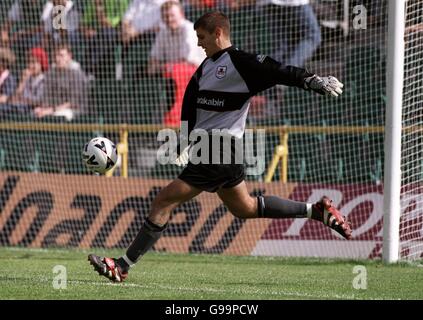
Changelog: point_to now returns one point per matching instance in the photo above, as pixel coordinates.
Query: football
(100, 155)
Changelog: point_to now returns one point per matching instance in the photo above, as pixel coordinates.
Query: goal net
(411, 223)
(81, 69)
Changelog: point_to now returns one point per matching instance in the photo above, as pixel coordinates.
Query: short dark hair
(212, 20)
(63, 46)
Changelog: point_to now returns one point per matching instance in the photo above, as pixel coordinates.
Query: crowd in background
(49, 57)
(53, 52)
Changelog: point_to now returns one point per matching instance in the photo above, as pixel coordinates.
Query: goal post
(392, 183)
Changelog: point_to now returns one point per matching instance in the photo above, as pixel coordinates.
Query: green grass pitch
(28, 274)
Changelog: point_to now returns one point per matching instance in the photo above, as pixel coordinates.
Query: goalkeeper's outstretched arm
(262, 72)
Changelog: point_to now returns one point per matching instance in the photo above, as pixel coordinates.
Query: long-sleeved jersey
(218, 95)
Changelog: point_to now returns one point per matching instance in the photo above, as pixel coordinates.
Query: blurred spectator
(142, 16)
(65, 88)
(176, 42)
(64, 30)
(175, 56)
(23, 28)
(294, 28)
(140, 25)
(62, 50)
(99, 24)
(30, 90)
(7, 80)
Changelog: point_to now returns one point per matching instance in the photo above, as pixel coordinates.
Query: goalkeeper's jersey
(218, 95)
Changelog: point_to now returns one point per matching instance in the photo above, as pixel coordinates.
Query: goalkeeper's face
(208, 41)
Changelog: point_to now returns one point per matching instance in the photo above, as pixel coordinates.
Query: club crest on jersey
(260, 58)
(221, 72)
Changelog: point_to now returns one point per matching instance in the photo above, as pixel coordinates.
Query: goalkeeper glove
(324, 85)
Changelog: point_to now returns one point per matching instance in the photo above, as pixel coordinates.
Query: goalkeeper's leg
(169, 198)
(244, 206)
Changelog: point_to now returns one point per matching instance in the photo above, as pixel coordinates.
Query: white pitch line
(231, 291)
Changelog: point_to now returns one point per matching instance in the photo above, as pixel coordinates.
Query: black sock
(275, 207)
(144, 241)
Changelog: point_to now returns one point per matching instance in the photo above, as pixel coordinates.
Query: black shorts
(212, 177)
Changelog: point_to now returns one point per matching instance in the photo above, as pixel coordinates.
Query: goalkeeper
(229, 78)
